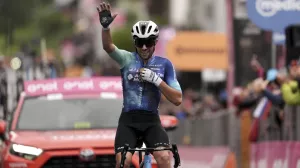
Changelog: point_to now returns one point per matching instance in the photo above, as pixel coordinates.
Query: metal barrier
(291, 124)
(215, 130)
(226, 129)
(220, 129)
(275, 128)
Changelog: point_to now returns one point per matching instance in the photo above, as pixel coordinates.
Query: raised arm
(107, 42)
(120, 56)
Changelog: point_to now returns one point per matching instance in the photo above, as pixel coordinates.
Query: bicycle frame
(146, 163)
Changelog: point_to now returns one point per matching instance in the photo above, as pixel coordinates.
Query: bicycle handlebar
(173, 149)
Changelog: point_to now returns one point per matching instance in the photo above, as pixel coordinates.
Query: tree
(27, 22)
(15, 14)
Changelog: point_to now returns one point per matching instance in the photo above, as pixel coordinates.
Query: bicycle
(146, 163)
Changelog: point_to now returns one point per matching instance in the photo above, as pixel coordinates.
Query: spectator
(36, 69)
(291, 93)
(246, 99)
(270, 88)
(290, 87)
(207, 106)
(223, 98)
(52, 66)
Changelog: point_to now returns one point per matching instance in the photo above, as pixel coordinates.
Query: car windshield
(68, 114)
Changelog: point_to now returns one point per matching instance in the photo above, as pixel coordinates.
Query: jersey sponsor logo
(134, 77)
(133, 70)
(130, 76)
(155, 69)
(160, 74)
(155, 65)
(137, 78)
(140, 96)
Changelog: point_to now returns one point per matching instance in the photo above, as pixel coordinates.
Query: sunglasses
(148, 42)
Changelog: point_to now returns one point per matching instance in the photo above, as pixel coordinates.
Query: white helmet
(144, 29)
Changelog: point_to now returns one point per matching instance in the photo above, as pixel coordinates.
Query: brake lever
(176, 156)
(123, 157)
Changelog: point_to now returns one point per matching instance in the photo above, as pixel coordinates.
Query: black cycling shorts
(136, 127)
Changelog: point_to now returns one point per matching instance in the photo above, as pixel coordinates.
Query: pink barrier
(275, 155)
(203, 157)
(73, 85)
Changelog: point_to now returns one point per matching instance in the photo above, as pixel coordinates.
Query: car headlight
(26, 152)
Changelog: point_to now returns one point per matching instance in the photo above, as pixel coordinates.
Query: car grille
(101, 161)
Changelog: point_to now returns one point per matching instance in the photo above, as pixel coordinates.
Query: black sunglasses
(148, 42)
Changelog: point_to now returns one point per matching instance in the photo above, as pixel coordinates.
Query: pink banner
(74, 85)
(275, 155)
(203, 157)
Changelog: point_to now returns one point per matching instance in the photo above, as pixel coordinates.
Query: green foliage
(15, 13)
(53, 24)
(131, 17)
(160, 21)
(31, 21)
(122, 38)
(55, 27)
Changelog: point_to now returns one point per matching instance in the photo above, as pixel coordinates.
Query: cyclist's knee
(162, 157)
(127, 162)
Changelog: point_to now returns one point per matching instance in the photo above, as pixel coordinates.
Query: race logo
(269, 8)
(273, 15)
(80, 85)
(42, 87)
(114, 85)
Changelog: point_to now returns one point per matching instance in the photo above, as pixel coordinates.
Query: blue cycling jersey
(139, 95)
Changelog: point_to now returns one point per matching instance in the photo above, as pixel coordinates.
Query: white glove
(150, 76)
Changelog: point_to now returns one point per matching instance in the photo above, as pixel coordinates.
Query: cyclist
(144, 78)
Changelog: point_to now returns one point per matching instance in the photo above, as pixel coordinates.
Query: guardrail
(225, 129)
(218, 130)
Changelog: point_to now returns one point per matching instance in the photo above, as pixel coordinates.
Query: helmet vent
(137, 29)
(143, 29)
(149, 29)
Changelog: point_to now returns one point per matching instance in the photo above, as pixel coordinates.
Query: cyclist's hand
(150, 76)
(105, 17)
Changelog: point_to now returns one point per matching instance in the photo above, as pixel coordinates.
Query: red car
(66, 123)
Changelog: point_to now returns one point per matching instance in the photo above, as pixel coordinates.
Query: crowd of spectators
(280, 87)
(194, 105)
